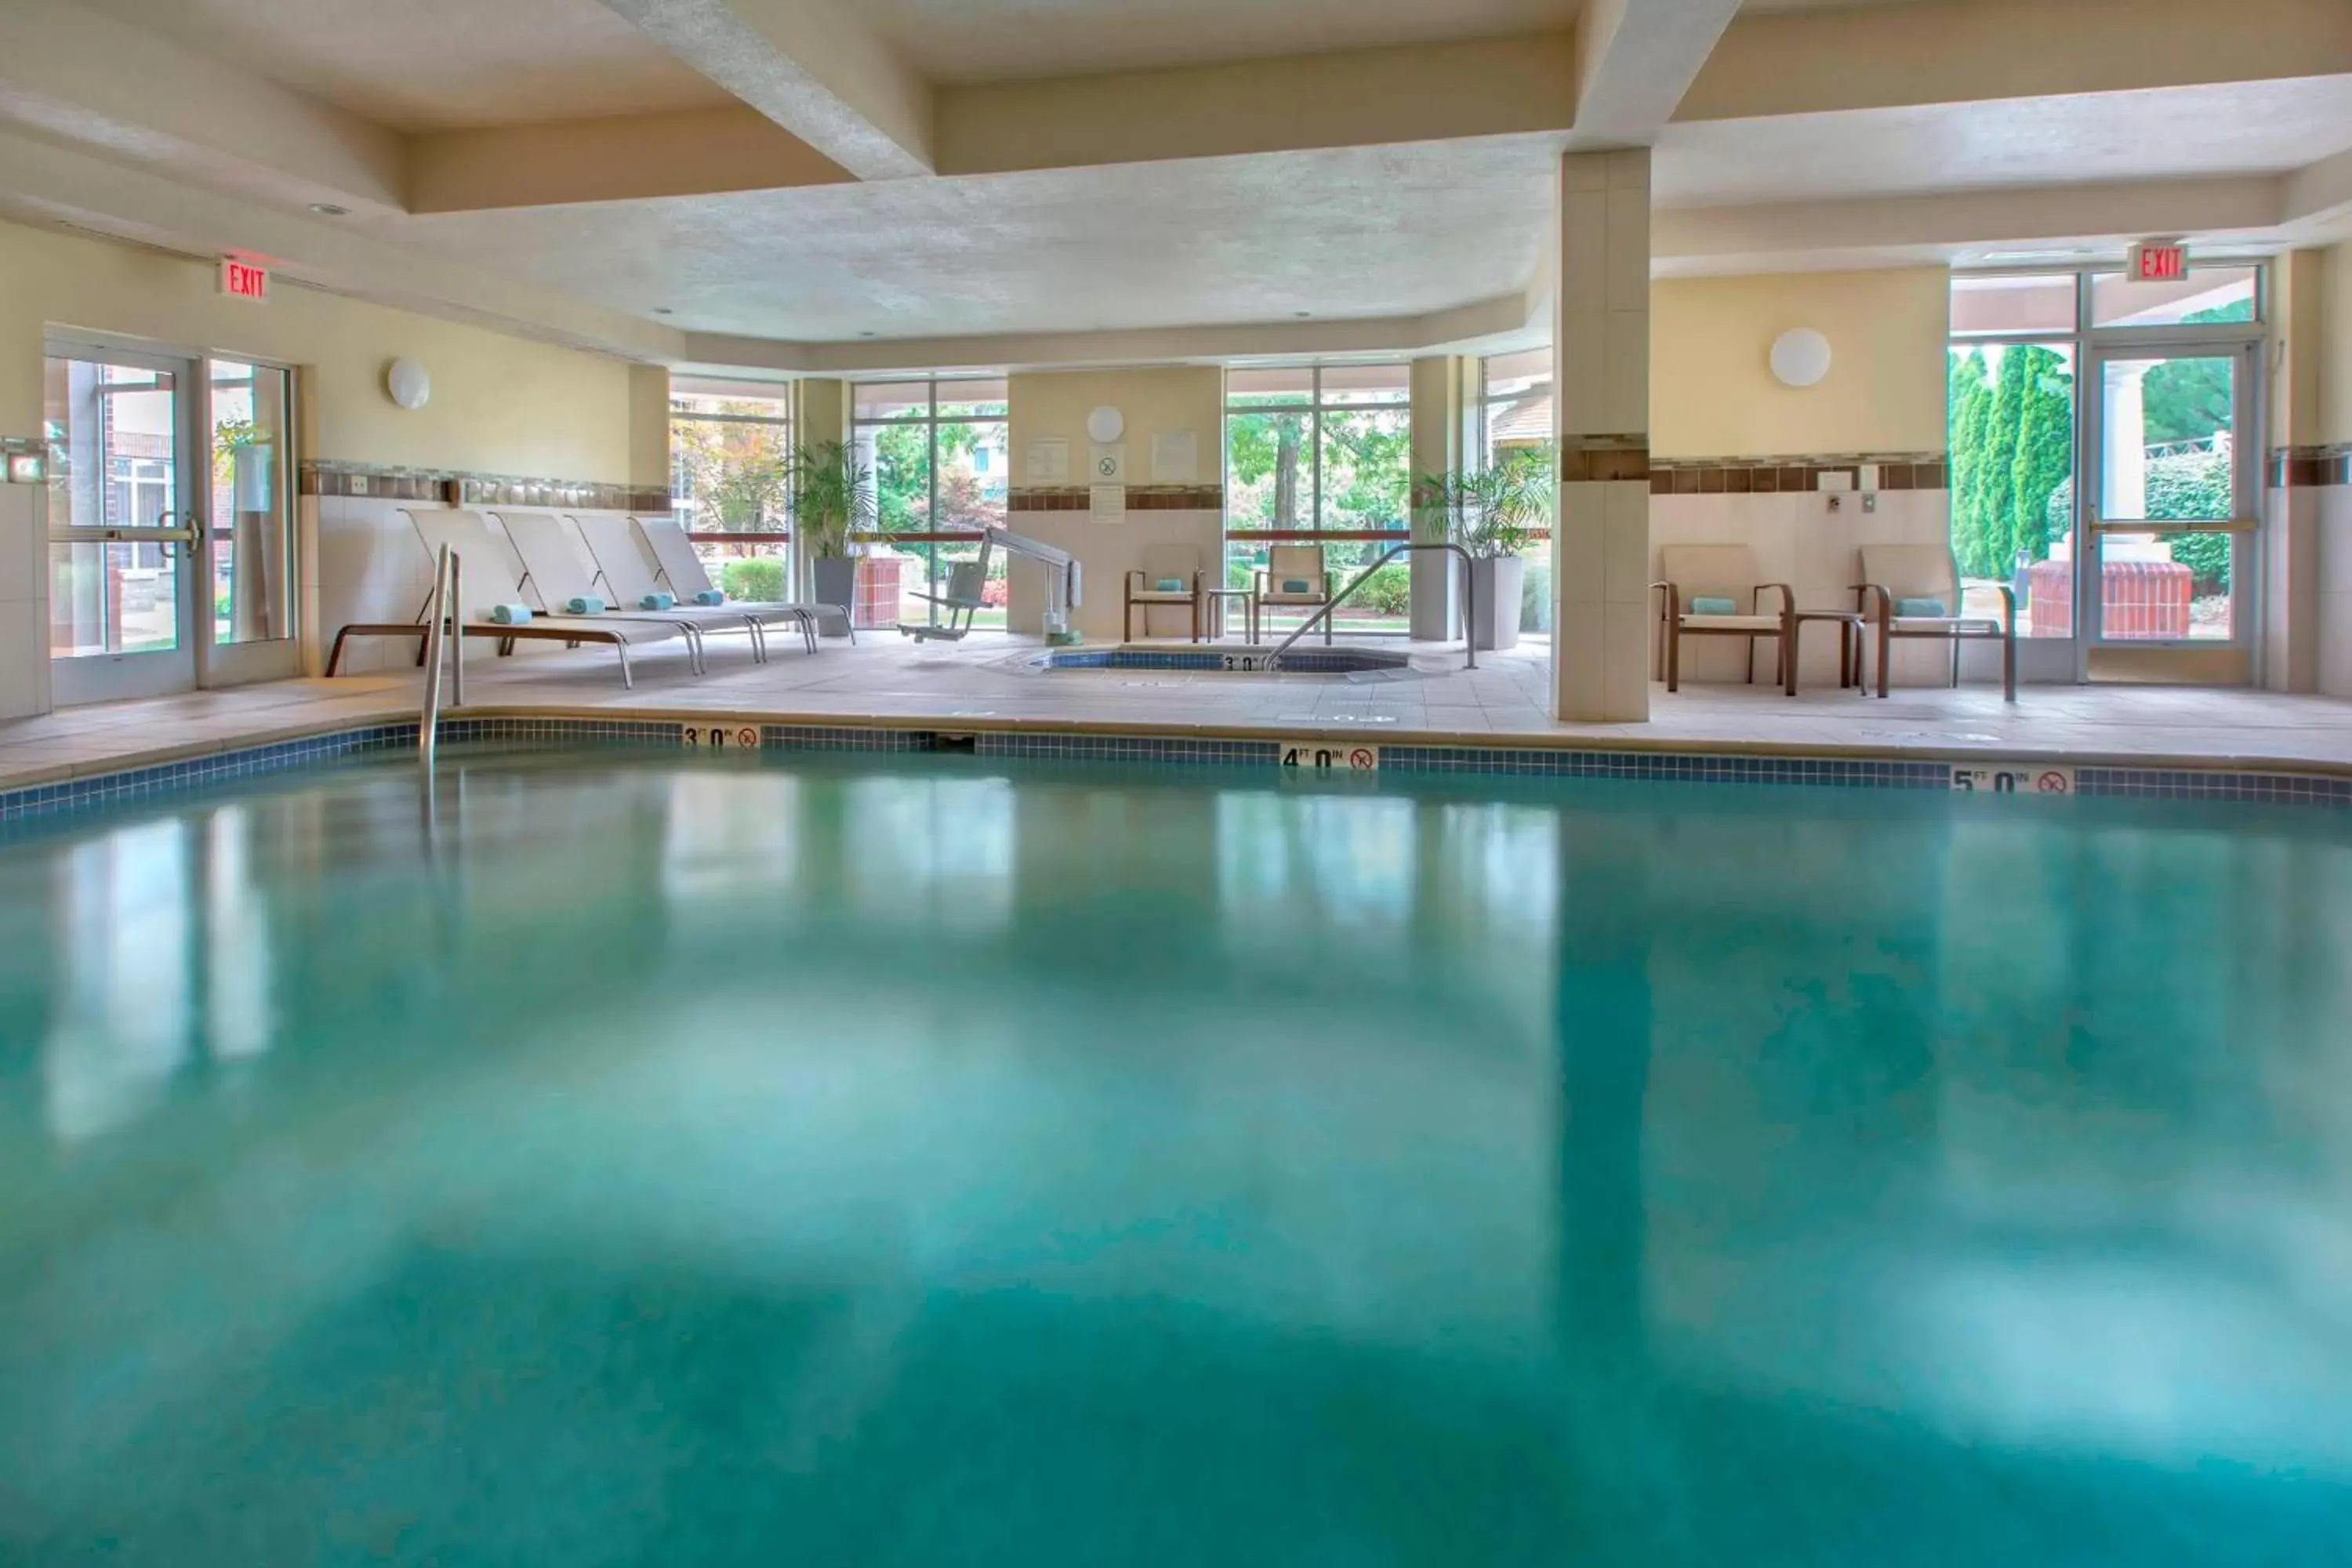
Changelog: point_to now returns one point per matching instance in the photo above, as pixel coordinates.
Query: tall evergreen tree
(2045, 450)
(2007, 423)
(1969, 400)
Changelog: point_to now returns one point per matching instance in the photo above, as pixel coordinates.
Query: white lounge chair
(560, 573)
(563, 573)
(682, 574)
(493, 574)
(626, 564)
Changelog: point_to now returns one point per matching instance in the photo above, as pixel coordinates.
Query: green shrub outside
(754, 582)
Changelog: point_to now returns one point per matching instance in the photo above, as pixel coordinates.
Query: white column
(1438, 446)
(1600, 351)
(2123, 466)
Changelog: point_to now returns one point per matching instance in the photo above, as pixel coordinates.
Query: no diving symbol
(2053, 783)
(1362, 760)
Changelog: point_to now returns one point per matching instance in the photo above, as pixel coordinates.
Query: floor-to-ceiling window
(938, 451)
(1320, 457)
(2151, 386)
(728, 452)
(1516, 420)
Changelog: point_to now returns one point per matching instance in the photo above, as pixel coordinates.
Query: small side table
(1850, 642)
(1248, 596)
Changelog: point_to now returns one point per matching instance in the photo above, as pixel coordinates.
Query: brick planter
(878, 591)
(2138, 600)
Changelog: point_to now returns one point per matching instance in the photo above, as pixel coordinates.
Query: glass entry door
(2170, 580)
(146, 595)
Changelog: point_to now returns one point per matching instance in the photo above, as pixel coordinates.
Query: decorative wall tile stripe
(1764, 476)
(2308, 467)
(452, 487)
(1603, 459)
(1140, 498)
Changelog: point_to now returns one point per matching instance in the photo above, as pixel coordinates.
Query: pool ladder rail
(1469, 602)
(444, 650)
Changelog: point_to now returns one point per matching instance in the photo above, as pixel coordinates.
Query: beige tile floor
(986, 683)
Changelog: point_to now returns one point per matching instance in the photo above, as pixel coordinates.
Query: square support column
(1601, 351)
(2293, 600)
(649, 427)
(1442, 413)
(821, 414)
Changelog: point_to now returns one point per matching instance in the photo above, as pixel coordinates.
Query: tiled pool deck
(985, 686)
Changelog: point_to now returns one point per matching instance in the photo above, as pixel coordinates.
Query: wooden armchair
(1713, 590)
(1914, 591)
(1295, 576)
(1171, 574)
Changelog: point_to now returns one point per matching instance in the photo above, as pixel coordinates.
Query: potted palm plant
(833, 498)
(1490, 512)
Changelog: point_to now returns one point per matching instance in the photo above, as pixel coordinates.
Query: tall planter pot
(1495, 582)
(836, 582)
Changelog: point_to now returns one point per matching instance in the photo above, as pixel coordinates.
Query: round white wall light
(406, 383)
(1801, 357)
(1106, 423)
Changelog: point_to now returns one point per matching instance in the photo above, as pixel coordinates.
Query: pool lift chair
(967, 579)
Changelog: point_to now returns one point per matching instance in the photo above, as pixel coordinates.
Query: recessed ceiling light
(664, 311)
(329, 209)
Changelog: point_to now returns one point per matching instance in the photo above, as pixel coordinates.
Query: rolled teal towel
(1296, 585)
(1927, 609)
(710, 597)
(1171, 586)
(1701, 605)
(511, 615)
(586, 604)
(657, 601)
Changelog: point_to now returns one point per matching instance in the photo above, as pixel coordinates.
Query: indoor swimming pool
(629, 1157)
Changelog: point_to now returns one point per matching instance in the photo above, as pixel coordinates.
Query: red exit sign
(2158, 263)
(244, 279)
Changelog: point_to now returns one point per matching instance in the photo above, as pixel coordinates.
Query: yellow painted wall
(1712, 394)
(1182, 397)
(500, 405)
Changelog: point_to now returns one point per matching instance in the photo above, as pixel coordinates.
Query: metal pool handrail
(1469, 602)
(445, 647)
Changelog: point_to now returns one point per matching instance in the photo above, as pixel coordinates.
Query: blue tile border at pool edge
(1684, 767)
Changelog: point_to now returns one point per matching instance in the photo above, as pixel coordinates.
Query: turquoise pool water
(850, 1161)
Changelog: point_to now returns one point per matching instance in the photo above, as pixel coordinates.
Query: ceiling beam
(2319, 196)
(1504, 321)
(1962, 51)
(75, 75)
(1810, 236)
(814, 67)
(44, 183)
(1636, 58)
(691, 153)
(1350, 98)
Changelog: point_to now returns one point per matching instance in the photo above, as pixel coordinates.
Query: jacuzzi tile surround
(1215, 660)
(1722, 766)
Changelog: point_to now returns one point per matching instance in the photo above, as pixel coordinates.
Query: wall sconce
(1801, 357)
(406, 383)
